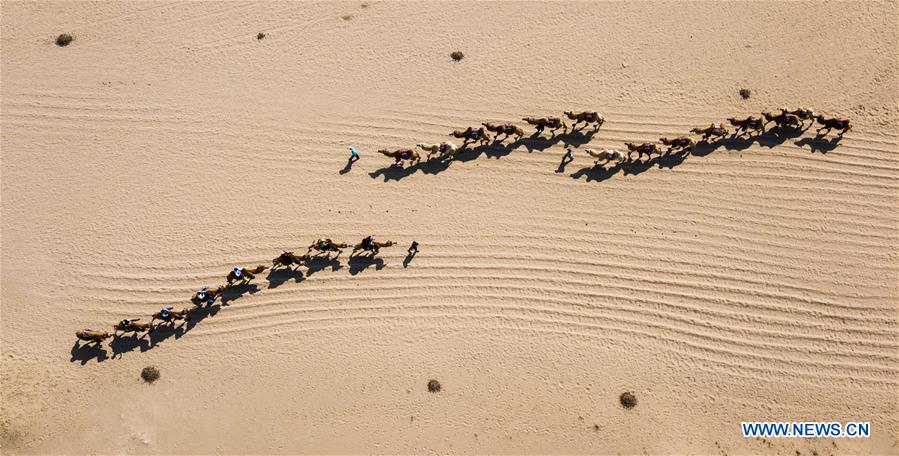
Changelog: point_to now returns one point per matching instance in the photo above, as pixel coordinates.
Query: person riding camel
(204, 296)
(324, 243)
(165, 313)
(368, 243)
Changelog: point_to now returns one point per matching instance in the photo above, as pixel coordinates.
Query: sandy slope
(167, 144)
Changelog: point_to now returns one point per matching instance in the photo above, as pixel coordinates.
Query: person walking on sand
(569, 155)
(413, 249)
(354, 154)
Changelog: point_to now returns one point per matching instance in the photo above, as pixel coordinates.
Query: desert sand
(166, 144)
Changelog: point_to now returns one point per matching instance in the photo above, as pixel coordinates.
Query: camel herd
(784, 119)
(240, 275)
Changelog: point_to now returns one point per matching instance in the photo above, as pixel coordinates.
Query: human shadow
(83, 353)
(276, 277)
(819, 143)
(320, 263)
(408, 259)
(349, 166)
(359, 263)
(236, 291)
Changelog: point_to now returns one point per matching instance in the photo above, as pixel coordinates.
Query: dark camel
(171, 316)
(472, 134)
(374, 247)
(587, 117)
(504, 129)
(835, 123)
(554, 123)
(327, 245)
(640, 149)
(746, 125)
(244, 274)
(782, 120)
(679, 142)
(288, 259)
(714, 129)
(126, 326)
(207, 296)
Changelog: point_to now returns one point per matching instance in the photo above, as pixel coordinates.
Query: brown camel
(207, 296)
(587, 117)
(554, 123)
(289, 259)
(782, 120)
(678, 142)
(609, 155)
(745, 125)
(504, 129)
(640, 149)
(402, 154)
(802, 113)
(714, 129)
(168, 315)
(835, 123)
(242, 273)
(472, 134)
(126, 326)
(373, 246)
(91, 335)
(327, 245)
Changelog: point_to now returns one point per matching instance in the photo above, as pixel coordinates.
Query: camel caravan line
(206, 296)
(784, 119)
(240, 275)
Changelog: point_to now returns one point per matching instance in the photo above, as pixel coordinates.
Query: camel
(504, 129)
(445, 149)
(554, 123)
(640, 149)
(782, 120)
(289, 259)
(714, 129)
(90, 335)
(402, 154)
(587, 117)
(372, 246)
(242, 273)
(131, 326)
(837, 123)
(802, 113)
(327, 245)
(170, 316)
(610, 156)
(207, 296)
(747, 124)
(472, 134)
(678, 142)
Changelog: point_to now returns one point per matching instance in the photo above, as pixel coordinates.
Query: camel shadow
(198, 314)
(276, 277)
(597, 173)
(819, 143)
(165, 331)
(235, 292)
(86, 352)
(359, 263)
(121, 344)
(537, 142)
(577, 138)
(320, 263)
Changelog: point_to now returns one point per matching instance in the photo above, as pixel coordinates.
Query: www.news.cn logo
(806, 429)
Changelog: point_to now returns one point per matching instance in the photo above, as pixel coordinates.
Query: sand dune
(756, 280)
